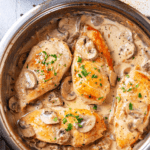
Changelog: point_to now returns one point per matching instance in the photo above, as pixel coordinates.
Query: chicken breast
(133, 107)
(43, 70)
(92, 65)
(76, 127)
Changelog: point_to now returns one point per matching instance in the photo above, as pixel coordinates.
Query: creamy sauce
(119, 39)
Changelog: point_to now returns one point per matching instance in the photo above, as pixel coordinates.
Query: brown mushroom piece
(62, 136)
(21, 60)
(26, 130)
(53, 100)
(127, 50)
(146, 66)
(96, 20)
(86, 48)
(67, 89)
(13, 104)
(48, 116)
(40, 144)
(112, 78)
(35, 106)
(86, 124)
(30, 79)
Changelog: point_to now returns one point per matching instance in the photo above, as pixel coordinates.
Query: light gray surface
(11, 11)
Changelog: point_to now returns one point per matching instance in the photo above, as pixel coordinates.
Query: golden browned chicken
(92, 65)
(133, 105)
(43, 70)
(64, 126)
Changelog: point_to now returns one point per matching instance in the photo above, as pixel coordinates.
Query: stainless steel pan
(32, 21)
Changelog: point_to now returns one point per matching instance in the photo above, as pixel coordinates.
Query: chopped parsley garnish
(118, 99)
(27, 66)
(129, 89)
(94, 76)
(43, 62)
(55, 138)
(42, 70)
(80, 126)
(84, 72)
(79, 59)
(82, 67)
(130, 106)
(55, 119)
(69, 127)
(100, 84)
(100, 79)
(127, 76)
(46, 56)
(99, 70)
(106, 117)
(52, 62)
(64, 65)
(145, 113)
(55, 73)
(95, 68)
(47, 79)
(123, 88)
(49, 69)
(95, 107)
(130, 83)
(59, 55)
(140, 95)
(133, 57)
(64, 120)
(100, 98)
(137, 85)
(80, 75)
(54, 55)
(37, 70)
(118, 79)
(93, 61)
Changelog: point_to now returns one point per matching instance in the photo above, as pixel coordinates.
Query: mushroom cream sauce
(127, 50)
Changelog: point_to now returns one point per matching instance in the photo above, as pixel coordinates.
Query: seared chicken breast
(43, 70)
(64, 126)
(92, 65)
(133, 106)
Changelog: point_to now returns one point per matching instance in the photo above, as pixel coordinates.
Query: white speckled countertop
(12, 10)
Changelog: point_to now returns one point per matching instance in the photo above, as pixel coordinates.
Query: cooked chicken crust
(47, 133)
(48, 73)
(93, 90)
(133, 107)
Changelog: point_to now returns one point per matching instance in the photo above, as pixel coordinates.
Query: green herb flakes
(140, 95)
(130, 106)
(95, 107)
(79, 59)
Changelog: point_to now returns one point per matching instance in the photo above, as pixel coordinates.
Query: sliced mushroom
(112, 112)
(35, 106)
(21, 60)
(53, 99)
(86, 48)
(122, 69)
(67, 89)
(51, 147)
(146, 66)
(126, 34)
(96, 20)
(86, 124)
(127, 50)
(62, 136)
(112, 78)
(27, 130)
(41, 144)
(13, 104)
(30, 79)
(48, 116)
(73, 37)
